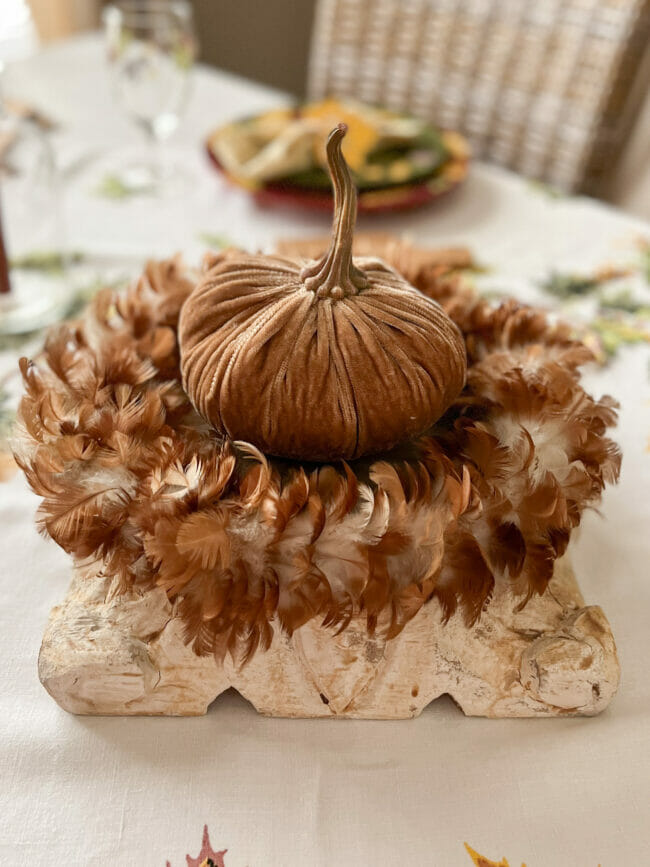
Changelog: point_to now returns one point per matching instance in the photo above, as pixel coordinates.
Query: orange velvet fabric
(266, 360)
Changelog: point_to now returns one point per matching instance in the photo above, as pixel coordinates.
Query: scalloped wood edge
(125, 655)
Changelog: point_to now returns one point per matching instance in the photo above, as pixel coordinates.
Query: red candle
(5, 286)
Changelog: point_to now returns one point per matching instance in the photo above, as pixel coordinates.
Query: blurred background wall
(56, 19)
(279, 30)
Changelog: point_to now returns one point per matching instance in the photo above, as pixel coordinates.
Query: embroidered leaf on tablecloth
(207, 857)
(7, 464)
(482, 861)
(215, 240)
(113, 187)
(606, 314)
(51, 262)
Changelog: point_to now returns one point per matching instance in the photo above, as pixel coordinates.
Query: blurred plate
(391, 179)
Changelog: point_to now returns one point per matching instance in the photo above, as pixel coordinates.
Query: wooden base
(125, 655)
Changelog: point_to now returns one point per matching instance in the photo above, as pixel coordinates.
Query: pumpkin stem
(335, 275)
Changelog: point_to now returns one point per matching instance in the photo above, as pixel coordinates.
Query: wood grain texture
(125, 655)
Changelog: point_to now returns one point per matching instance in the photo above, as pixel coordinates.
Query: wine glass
(151, 48)
(34, 288)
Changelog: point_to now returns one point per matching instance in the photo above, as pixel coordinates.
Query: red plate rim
(381, 200)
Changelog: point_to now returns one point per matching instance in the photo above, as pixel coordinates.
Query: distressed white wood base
(126, 656)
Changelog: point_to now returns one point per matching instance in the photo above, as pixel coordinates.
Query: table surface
(278, 792)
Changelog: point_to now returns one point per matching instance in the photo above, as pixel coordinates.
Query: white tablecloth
(138, 791)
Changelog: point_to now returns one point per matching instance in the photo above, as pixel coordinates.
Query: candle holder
(144, 629)
(340, 492)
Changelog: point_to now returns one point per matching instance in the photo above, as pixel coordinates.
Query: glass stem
(157, 154)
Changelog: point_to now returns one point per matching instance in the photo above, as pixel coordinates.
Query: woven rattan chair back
(546, 87)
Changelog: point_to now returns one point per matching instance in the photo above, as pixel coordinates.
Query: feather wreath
(131, 477)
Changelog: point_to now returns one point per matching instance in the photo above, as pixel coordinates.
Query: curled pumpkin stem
(335, 275)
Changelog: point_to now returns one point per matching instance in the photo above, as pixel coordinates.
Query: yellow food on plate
(382, 148)
(362, 136)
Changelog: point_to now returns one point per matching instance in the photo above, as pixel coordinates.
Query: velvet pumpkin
(319, 360)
